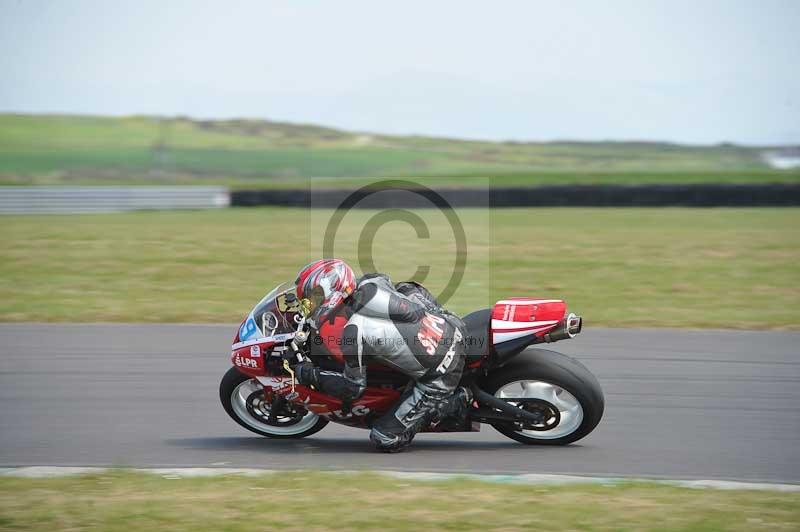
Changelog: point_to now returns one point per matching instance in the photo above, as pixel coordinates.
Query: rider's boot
(395, 430)
(458, 403)
(452, 415)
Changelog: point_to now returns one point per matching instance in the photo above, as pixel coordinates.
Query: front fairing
(266, 330)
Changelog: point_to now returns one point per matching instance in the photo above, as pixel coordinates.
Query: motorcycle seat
(476, 340)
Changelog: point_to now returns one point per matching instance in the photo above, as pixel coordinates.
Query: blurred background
(169, 163)
(240, 97)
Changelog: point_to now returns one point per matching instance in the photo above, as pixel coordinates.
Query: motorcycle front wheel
(564, 396)
(243, 399)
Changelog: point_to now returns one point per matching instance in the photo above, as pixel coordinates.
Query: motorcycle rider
(399, 326)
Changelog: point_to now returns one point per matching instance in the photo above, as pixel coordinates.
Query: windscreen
(275, 314)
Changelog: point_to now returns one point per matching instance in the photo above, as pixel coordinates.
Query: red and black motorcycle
(532, 395)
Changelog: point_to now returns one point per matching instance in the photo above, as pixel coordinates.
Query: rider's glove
(306, 374)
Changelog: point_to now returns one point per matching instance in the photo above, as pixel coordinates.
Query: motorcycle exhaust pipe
(568, 328)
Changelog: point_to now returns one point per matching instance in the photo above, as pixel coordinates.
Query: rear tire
(241, 400)
(542, 378)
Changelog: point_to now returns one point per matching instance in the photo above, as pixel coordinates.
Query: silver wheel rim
(239, 398)
(568, 406)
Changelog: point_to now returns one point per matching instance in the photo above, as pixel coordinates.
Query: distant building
(784, 158)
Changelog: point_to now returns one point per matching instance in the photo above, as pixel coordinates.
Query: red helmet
(326, 283)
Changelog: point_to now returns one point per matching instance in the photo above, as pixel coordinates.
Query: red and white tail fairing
(517, 317)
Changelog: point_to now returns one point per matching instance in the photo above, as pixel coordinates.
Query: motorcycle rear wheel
(559, 389)
(243, 399)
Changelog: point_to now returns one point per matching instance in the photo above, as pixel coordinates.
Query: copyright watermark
(338, 340)
(407, 230)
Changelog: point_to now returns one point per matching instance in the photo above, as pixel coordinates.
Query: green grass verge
(725, 268)
(322, 501)
(83, 150)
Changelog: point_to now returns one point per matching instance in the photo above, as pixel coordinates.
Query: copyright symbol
(317, 340)
(367, 237)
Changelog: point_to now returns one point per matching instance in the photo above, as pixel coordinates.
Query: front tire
(242, 398)
(565, 395)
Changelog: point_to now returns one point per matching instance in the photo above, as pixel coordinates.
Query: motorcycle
(529, 394)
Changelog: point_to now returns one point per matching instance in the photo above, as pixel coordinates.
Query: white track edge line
(528, 478)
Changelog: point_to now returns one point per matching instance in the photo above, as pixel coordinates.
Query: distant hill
(66, 149)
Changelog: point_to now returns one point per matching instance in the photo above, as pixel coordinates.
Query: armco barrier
(31, 200)
(53, 200)
(546, 196)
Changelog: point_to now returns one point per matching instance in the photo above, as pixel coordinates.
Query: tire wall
(773, 195)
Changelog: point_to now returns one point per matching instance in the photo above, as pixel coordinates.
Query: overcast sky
(695, 71)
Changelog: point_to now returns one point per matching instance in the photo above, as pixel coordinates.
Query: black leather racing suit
(402, 327)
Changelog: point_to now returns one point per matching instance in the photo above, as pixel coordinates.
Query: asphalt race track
(679, 404)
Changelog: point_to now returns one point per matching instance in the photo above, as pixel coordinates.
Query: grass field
(57, 149)
(726, 268)
(319, 501)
